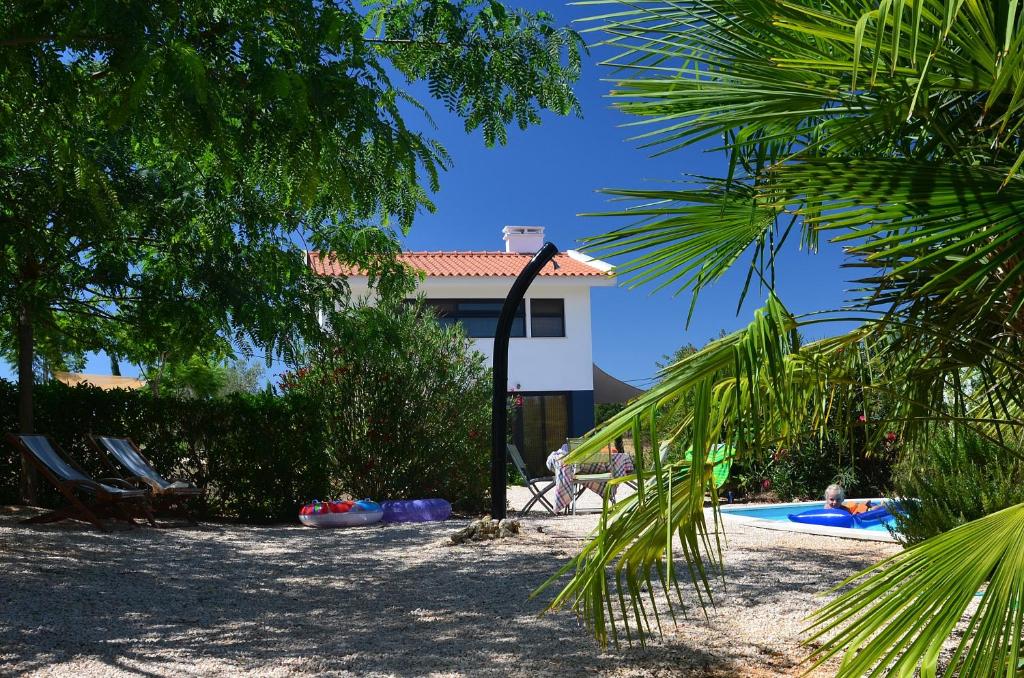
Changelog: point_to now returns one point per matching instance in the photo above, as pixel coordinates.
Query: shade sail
(608, 389)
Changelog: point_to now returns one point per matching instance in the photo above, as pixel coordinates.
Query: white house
(550, 351)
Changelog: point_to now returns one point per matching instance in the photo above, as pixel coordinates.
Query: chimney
(523, 239)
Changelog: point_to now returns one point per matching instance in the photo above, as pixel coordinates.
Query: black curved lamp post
(499, 415)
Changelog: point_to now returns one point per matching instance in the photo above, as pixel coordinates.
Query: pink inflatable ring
(340, 513)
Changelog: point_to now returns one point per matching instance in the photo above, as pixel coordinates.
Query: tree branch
(20, 40)
(405, 41)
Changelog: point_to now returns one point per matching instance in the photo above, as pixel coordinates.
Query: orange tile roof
(463, 264)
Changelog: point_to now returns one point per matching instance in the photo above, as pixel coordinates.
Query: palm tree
(894, 127)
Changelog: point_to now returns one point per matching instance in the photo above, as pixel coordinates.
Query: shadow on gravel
(380, 601)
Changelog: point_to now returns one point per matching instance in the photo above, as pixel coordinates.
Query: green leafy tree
(405, 406)
(605, 411)
(243, 377)
(203, 377)
(163, 166)
(895, 129)
(195, 378)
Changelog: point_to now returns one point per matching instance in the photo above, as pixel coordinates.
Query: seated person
(835, 496)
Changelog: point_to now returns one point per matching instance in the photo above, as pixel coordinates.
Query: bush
(960, 477)
(258, 456)
(804, 470)
(405, 404)
(400, 410)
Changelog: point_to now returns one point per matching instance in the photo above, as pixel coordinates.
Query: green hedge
(259, 455)
(398, 409)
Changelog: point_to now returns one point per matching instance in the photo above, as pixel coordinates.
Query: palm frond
(748, 389)
(687, 239)
(894, 127)
(898, 619)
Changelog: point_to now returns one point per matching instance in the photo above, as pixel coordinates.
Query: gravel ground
(376, 601)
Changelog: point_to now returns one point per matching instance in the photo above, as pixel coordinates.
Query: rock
(485, 529)
(508, 528)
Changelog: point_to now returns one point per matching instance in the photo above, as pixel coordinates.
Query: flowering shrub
(803, 470)
(405, 406)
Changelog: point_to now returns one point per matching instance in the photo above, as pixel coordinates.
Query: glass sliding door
(542, 426)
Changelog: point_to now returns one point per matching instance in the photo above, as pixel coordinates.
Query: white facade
(534, 363)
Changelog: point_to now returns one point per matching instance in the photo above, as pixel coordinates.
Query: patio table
(565, 475)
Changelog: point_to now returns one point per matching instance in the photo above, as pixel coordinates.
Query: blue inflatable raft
(824, 516)
(873, 517)
(415, 510)
(840, 518)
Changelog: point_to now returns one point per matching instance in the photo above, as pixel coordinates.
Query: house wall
(534, 363)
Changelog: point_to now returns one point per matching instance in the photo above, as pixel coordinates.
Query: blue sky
(549, 174)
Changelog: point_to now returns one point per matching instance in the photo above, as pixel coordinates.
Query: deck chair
(165, 494)
(87, 499)
(538, 486)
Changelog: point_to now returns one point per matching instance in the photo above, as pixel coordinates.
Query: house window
(478, 317)
(547, 317)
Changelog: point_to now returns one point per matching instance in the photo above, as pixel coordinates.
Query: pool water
(782, 513)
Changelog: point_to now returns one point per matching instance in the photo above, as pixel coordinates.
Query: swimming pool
(777, 513)
(776, 516)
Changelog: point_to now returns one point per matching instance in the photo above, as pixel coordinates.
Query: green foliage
(399, 409)
(163, 166)
(985, 556)
(242, 377)
(605, 411)
(803, 470)
(258, 455)
(896, 129)
(202, 377)
(405, 406)
(195, 378)
(494, 68)
(955, 477)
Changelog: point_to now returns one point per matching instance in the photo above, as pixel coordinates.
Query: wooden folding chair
(87, 499)
(166, 495)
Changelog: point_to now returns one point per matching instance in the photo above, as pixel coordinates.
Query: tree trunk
(26, 350)
(115, 368)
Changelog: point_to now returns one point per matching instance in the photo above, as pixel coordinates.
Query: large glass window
(479, 317)
(547, 317)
